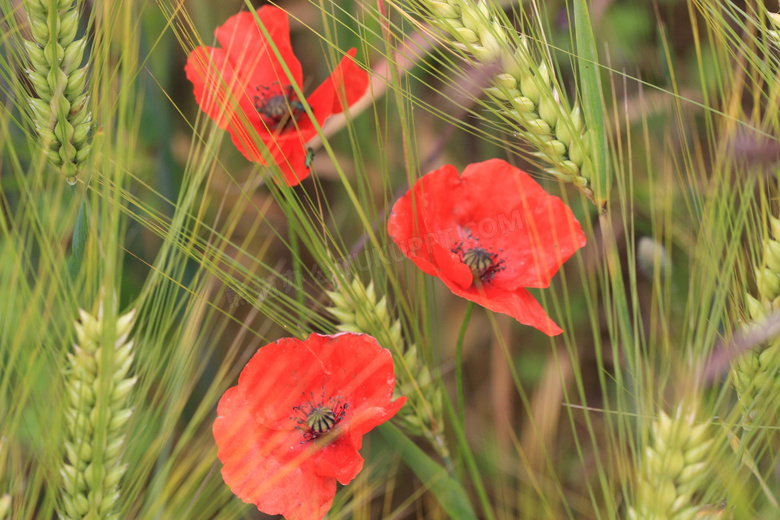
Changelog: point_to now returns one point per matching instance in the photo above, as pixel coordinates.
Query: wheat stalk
(91, 474)
(61, 111)
(524, 87)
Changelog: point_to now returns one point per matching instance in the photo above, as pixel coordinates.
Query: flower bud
(58, 80)
(443, 10)
(768, 357)
(491, 45)
(40, 31)
(80, 394)
(500, 93)
(699, 452)
(471, 18)
(70, 479)
(586, 173)
(41, 111)
(80, 455)
(576, 119)
(665, 495)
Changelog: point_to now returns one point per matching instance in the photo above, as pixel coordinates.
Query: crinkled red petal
(267, 467)
(338, 459)
(408, 229)
(286, 150)
(350, 82)
(250, 52)
(218, 88)
(369, 418)
(292, 372)
(518, 303)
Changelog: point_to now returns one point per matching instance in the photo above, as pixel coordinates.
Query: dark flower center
(321, 420)
(277, 105)
(478, 260)
(318, 419)
(483, 263)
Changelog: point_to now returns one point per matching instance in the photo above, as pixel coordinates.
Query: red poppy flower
(295, 422)
(488, 235)
(244, 88)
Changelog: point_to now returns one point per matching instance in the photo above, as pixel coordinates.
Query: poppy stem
(459, 365)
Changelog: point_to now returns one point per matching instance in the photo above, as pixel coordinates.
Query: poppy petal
(339, 460)
(408, 227)
(518, 303)
(216, 85)
(286, 151)
(279, 377)
(257, 475)
(250, 52)
(348, 82)
(451, 268)
(371, 418)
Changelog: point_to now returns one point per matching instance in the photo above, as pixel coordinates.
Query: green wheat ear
(61, 111)
(357, 309)
(96, 418)
(673, 468)
(756, 374)
(524, 88)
